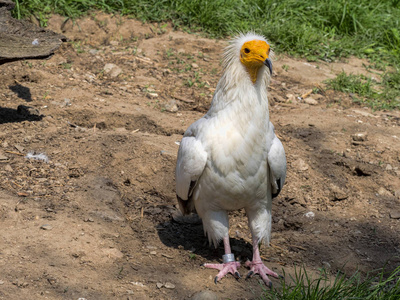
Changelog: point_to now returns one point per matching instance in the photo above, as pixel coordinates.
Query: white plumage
(231, 158)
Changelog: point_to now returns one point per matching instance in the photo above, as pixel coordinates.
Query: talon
(249, 275)
(270, 284)
(237, 275)
(216, 279)
(281, 277)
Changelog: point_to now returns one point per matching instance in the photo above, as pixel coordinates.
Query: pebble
(300, 165)
(384, 192)
(159, 285)
(395, 214)
(310, 101)
(169, 285)
(19, 148)
(310, 214)
(171, 106)
(152, 95)
(195, 66)
(1, 282)
(359, 136)
(46, 227)
(112, 69)
(3, 157)
(205, 295)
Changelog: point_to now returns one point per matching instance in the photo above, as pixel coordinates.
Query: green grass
(378, 287)
(317, 30)
(365, 90)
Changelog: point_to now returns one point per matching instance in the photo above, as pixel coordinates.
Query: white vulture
(231, 158)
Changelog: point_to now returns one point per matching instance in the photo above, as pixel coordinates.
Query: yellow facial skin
(253, 55)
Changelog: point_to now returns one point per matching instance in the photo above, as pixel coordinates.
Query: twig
(16, 153)
(277, 247)
(298, 247)
(183, 99)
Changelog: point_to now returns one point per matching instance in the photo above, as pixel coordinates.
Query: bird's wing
(190, 164)
(276, 162)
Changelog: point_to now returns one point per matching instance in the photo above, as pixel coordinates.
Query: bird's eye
(246, 50)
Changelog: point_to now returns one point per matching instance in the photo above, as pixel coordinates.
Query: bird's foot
(224, 269)
(258, 267)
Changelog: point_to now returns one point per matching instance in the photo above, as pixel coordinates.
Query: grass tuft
(378, 287)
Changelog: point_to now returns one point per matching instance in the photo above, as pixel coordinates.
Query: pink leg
(225, 268)
(257, 266)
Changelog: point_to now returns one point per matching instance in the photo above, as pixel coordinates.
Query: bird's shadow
(22, 92)
(186, 233)
(22, 113)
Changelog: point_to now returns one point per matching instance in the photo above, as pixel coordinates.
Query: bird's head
(253, 55)
(253, 52)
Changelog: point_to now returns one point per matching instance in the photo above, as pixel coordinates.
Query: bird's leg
(257, 266)
(229, 264)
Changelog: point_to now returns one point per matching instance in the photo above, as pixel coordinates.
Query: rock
(46, 227)
(384, 192)
(300, 165)
(359, 136)
(171, 106)
(389, 167)
(397, 193)
(169, 285)
(93, 51)
(291, 98)
(112, 69)
(310, 101)
(152, 95)
(337, 194)
(159, 285)
(19, 148)
(395, 214)
(310, 214)
(8, 168)
(3, 157)
(1, 282)
(205, 295)
(195, 66)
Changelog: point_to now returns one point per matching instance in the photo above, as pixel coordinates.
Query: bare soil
(99, 219)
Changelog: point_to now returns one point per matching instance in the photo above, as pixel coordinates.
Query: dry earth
(99, 219)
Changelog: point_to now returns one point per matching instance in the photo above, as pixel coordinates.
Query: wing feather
(190, 164)
(276, 162)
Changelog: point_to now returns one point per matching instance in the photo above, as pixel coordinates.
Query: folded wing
(276, 162)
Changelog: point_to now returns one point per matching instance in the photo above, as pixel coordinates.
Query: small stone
(114, 43)
(19, 148)
(112, 69)
(152, 95)
(195, 66)
(205, 295)
(310, 101)
(46, 227)
(397, 193)
(8, 168)
(360, 137)
(1, 282)
(389, 167)
(169, 285)
(394, 214)
(300, 165)
(326, 265)
(3, 157)
(93, 51)
(88, 220)
(384, 192)
(159, 285)
(310, 214)
(153, 252)
(291, 98)
(171, 106)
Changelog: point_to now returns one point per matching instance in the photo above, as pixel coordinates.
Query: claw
(216, 279)
(249, 275)
(281, 277)
(270, 285)
(237, 275)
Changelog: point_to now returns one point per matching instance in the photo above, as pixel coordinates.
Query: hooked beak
(268, 63)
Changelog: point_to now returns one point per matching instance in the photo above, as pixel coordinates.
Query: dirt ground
(98, 220)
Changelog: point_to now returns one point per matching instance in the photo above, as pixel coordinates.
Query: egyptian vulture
(231, 158)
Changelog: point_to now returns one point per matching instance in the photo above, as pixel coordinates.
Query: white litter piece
(35, 42)
(178, 143)
(310, 214)
(40, 156)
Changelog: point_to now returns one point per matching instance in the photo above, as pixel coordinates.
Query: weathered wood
(20, 39)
